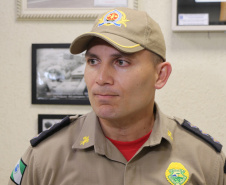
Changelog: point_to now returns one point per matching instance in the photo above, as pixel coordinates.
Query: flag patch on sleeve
(18, 172)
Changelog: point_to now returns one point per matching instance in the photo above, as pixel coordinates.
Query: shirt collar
(161, 129)
(86, 137)
(91, 133)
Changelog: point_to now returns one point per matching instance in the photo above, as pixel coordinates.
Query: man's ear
(163, 72)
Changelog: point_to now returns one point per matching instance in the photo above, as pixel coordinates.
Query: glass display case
(199, 15)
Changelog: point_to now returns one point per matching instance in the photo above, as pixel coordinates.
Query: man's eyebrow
(120, 54)
(116, 54)
(88, 54)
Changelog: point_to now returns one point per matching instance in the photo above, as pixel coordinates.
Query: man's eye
(122, 63)
(92, 61)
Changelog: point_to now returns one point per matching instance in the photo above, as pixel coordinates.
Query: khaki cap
(127, 30)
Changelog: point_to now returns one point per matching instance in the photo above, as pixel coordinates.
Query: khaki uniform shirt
(80, 154)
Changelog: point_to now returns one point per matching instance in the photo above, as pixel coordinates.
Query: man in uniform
(126, 140)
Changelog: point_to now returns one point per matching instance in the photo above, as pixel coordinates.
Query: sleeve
(221, 170)
(224, 170)
(25, 172)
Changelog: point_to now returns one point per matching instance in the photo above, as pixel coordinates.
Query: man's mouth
(105, 95)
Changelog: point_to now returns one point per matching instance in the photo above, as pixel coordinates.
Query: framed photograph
(199, 15)
(45, 121)
(57, 75)
(70, 9)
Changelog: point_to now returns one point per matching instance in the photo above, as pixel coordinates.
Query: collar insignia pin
(170, 135)
(85, 140)
(177, 174)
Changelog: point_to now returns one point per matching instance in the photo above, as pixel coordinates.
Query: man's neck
(127, 130)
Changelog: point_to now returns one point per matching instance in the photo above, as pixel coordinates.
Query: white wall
(196, 90)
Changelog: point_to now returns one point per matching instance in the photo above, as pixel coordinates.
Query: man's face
(120, 86)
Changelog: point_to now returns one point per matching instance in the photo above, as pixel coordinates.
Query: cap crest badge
(113, 17)
(177, 174)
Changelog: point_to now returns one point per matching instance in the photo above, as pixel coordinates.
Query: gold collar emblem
(85, 140)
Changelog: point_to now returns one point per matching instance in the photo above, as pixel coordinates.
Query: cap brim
(80, 44)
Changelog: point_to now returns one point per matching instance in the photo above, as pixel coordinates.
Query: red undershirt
(128, 149)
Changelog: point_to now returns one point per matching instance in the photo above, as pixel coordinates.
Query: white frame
(24, 13)
(178, 28)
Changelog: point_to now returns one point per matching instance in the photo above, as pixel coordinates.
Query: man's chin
(106, 112)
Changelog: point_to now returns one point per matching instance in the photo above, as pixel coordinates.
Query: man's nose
(104, 75)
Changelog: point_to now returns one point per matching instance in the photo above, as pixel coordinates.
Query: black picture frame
(45, 121)
(57, 75)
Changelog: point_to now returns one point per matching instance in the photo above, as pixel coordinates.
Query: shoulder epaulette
(209, 139)
(55, 128)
